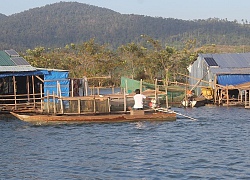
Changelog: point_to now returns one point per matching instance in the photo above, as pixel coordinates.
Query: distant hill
(62, 23)
(2, 16)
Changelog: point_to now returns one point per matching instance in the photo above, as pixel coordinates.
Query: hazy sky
(180, 9)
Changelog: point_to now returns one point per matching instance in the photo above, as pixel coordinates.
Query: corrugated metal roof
(230, 60)
(16, 68)
(230, 70)
(7, 65)
(5, 59)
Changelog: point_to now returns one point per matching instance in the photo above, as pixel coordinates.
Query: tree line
(146, 60)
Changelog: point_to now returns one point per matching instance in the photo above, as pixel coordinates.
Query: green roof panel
(5, 59)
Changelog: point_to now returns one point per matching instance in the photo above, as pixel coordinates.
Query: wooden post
(241, 96)
(185, 99)
(33, 89)
(248, 97)
(227, 95)
(215, 94)
(166, 89)
(79, 106)
(14, 83)
(245, 92)
(28, 87)
(220, 96)
(94, 105)
(48, 101)
(215, 89)
(98, 90)
(72, 88)
(86, 87)
(156, 99)
(60, 96)
(141, 85)
(54, 103)
(126, 86)
(125, 101)
(41, 96)
(109, 104)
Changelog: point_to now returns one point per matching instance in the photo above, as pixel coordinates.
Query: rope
(167, 110)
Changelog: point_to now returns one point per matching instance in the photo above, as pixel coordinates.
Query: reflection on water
(216, 146)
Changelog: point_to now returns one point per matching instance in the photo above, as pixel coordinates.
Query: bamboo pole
(40, 79)
(194, 78)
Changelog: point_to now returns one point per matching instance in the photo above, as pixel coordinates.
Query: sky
(178, 9)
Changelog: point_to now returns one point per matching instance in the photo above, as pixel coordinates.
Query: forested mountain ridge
(2, 16)
(62, 23)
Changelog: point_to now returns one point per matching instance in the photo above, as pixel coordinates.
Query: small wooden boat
(133, 115)
(195, 102)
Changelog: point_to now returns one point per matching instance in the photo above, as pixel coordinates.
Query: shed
(220, 70)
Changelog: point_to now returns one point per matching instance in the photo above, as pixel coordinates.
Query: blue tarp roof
(233, 79)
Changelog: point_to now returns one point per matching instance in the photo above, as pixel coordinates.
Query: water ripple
(216, 146)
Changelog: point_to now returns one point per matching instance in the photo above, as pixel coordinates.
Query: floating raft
(106, 118)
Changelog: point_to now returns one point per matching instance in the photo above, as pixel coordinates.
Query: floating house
(228, 75)
(27, 88)
(23, 86)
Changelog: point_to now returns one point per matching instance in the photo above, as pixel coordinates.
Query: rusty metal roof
(12, 62)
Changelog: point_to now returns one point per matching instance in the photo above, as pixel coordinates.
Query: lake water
(215, 146)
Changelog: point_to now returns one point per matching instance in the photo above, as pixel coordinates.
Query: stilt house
(227, 74)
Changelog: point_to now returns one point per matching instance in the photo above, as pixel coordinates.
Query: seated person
(138, 98)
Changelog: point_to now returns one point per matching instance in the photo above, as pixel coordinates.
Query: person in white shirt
(138, 98)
